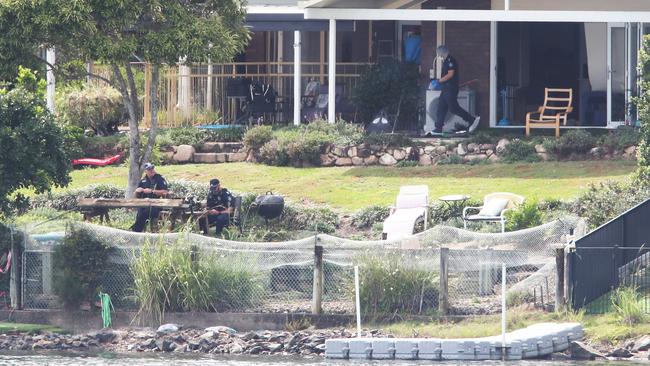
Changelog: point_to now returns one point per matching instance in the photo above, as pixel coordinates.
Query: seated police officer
(219, 208)
(152, 185)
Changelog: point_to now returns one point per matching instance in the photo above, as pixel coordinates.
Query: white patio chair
(495, 205)
(411, 206)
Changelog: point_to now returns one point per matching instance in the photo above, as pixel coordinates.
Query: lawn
(7, 327)
(351, 188)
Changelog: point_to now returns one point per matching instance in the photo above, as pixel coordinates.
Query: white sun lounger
(411, 205)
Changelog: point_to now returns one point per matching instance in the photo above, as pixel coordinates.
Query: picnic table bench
(91, 207)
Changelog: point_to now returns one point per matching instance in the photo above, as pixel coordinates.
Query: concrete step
(220, 147)
(215, 158)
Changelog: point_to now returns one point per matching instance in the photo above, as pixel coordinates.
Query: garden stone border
(430, 152)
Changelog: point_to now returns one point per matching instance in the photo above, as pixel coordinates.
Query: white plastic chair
(513, 200)
(411, 205)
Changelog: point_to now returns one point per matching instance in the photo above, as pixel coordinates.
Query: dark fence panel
(599, 254)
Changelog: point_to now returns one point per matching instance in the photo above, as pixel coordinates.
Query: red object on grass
(97, 162)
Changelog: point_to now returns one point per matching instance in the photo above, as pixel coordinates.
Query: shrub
(95, 107)
(174, 278)
(229, 134)
(519, 151)
(312, 218)
(275, 153)
(67, 200)
(182, 136)
(79, 262)
(642, 104)
(620, 138)
(628, 306)
(571, 142)
(390, 284)
(257, 137)
(383, 86)
(101, 146)
(451, 159)
(604, 201)
(340, 133)
(388, 140)
(307, 148)
(368, 216)
(517, 298)
(525, 216)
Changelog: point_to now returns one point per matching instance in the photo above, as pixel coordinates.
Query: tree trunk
(153, 97)
(134, 134)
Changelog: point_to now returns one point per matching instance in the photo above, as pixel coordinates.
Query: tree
(31, 143)
(643, 108)
(116, 32)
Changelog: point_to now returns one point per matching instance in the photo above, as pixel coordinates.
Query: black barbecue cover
(269, 205)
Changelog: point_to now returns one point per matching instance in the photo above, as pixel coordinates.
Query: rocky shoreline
(221, 340)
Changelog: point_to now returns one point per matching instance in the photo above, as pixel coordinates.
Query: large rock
(429, 149)
(441, 149)
(363, 152)
(184, 154)
(327, 160)
(641, 344)
(461, 150)
(340, 151)
(489, 152)
(399, 154)
(494, 158)
(352, 152)
(211, 147)
(597, 151)
(168, 328)
(620, 353)
(544, 156)
(473, 147)
(425, 160)
(485, 147)
(387, 159)
(582, 351)
(370, 160)
(630, 152)
(540, 149)
(501, 145)
(471, 157)
(357, 160)
(343, 162)
(206, 158)
(237, 157)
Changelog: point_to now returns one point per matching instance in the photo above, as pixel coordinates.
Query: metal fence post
(568, 279)
(317, 296)
(559, 278)
(443, 293)
(15, 279)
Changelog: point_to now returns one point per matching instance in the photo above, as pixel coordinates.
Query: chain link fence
(396, 277)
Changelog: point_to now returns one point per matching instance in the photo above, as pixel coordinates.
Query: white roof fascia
(256, 9)
(479, 15)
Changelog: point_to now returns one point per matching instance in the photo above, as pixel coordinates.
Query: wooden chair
(556, 108)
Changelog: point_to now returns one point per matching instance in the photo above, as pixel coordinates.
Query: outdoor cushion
(479, 217)
(494, 207)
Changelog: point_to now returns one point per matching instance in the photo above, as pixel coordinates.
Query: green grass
(6, 327)
(604, 329)
(351, 188)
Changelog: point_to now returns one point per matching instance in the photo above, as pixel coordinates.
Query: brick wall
(469, 43)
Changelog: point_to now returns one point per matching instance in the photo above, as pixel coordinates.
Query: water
(150, 360)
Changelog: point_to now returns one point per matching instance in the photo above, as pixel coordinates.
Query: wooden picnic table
(91, 207)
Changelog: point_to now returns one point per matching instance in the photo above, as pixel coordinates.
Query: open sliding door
(623, 44)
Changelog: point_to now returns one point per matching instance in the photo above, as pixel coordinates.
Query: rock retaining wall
(425, 153)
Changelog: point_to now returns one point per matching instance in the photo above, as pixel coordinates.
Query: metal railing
(197, 93)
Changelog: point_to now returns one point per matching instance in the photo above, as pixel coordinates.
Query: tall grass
(177, 278)
(627, 306)
(389, 284)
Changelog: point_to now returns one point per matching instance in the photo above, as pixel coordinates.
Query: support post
(208, 96)
(331, 74)
(443, 292)
(147, 94)
(559, 278)
(50, 57)
(317, 293)
(568, 272)
(15, 279)
(297, 75)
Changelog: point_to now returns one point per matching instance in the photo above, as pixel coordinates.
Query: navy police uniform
(219, 200)
(157, 182)
(449, 95)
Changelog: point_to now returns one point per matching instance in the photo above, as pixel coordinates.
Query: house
(513, 48)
